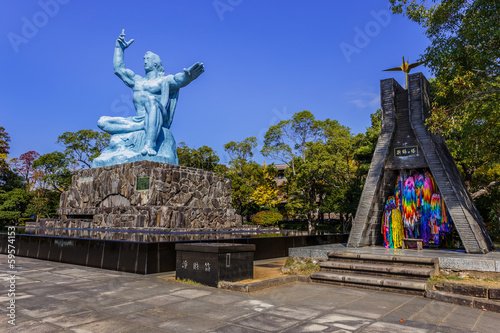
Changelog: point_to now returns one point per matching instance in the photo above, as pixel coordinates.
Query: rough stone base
(173, 197)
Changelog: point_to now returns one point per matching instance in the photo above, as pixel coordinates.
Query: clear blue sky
(264, 60)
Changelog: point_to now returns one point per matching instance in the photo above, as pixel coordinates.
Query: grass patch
(489, 279)
(300, 266)
(189, 281)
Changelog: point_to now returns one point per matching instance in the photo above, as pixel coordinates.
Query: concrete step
(367, 257)
(422, 272)
(370, 280)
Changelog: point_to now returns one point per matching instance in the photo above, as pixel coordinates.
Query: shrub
(267, 218)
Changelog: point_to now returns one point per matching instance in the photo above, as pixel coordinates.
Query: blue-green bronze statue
(146, 136)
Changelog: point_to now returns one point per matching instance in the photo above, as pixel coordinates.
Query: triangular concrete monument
(403, 128)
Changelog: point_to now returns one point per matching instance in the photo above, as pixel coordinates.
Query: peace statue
(147, 135)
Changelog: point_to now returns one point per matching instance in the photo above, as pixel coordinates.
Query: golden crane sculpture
(405, 67)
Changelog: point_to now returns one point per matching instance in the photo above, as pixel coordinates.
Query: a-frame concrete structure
(403, 128)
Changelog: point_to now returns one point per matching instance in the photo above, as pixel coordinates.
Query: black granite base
(141, 257)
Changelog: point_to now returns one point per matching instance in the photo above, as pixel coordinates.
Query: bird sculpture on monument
(405, 67)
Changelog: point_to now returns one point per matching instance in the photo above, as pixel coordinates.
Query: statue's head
(153, 61)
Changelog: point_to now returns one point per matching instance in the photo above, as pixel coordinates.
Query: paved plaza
(56, 297)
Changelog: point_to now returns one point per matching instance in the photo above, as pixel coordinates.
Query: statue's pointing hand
(194, 71)
(121, 41)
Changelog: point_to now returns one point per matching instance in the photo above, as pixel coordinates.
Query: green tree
(84, 146)
(288, 139)
(55, 169)
(10, 180)
(329, 170)
(202, 158)
(13, 205)
(244, 175)
(4, 150)
(240, 152)
(266, 194)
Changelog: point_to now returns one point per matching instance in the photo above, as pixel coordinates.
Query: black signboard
(142, 184)
(406, 151)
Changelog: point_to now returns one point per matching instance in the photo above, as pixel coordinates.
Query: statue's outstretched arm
(190, 74)
(123, 73)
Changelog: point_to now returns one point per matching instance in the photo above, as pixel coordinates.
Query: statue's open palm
(194, 71)
(121, 41)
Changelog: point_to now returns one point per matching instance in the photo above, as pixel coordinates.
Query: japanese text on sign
(406, 151)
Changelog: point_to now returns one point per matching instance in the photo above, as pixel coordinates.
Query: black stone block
(56, 247)
(22, 245)
(96, 248)
(128, 257)
(76, 253)
(111, 255)
(44, 248)
(153, 264)
(209, 263)
(33, 247)
(166, 253)
(3, 243)
(142, 258)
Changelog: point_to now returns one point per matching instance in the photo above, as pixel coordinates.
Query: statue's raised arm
(123, 73)
(190, 74)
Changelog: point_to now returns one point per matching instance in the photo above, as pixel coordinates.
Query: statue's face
(148, 63)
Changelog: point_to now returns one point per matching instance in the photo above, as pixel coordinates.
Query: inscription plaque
(142, 184)
(406, 151)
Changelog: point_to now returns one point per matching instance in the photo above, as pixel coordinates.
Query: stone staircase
(403, 274)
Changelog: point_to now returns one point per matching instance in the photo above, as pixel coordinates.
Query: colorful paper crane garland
(415, 210)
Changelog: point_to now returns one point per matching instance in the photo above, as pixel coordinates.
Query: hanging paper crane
(405, 67)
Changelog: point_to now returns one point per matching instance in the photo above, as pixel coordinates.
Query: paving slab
(383, 327)
(463, 317)
(267, 322)
(488, 322)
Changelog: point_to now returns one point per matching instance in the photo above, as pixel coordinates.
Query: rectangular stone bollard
(209, 263)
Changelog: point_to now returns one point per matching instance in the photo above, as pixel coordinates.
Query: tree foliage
(24, 166)
(267, 218)
(55, 169)
(244, 174)
(266, 194)
(287, 139)
(202, 158)
(4, 150)
(84, 146)
(328, 165)
(13, 205)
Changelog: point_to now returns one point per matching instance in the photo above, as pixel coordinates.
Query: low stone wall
(149, 194)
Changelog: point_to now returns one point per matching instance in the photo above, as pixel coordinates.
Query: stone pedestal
(149, 194)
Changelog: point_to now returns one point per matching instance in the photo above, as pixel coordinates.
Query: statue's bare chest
(153, 85)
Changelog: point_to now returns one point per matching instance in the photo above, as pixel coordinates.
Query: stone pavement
(56, 297)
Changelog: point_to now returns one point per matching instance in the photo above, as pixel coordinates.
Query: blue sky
(264, 60)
